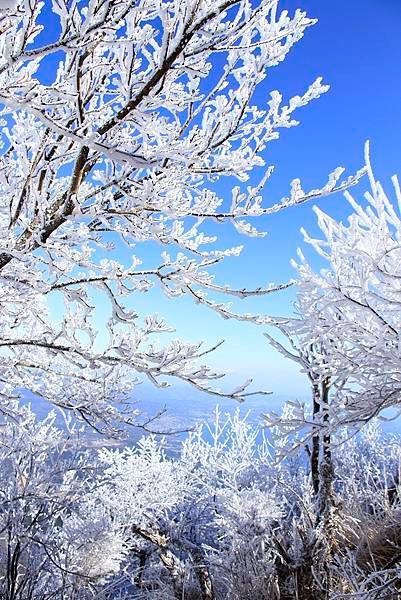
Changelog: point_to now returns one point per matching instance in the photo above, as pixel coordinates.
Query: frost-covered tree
(117, 119)
(134, 522)
(44, 474)
(222, 520)
(349, 312)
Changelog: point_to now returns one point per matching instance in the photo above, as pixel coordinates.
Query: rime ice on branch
(347, 328)
(117, 120)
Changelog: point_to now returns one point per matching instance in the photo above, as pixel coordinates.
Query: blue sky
(356, 48)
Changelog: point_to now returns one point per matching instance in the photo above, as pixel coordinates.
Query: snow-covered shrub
(222, 520)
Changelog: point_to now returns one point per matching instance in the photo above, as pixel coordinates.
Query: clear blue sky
(356, 47)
